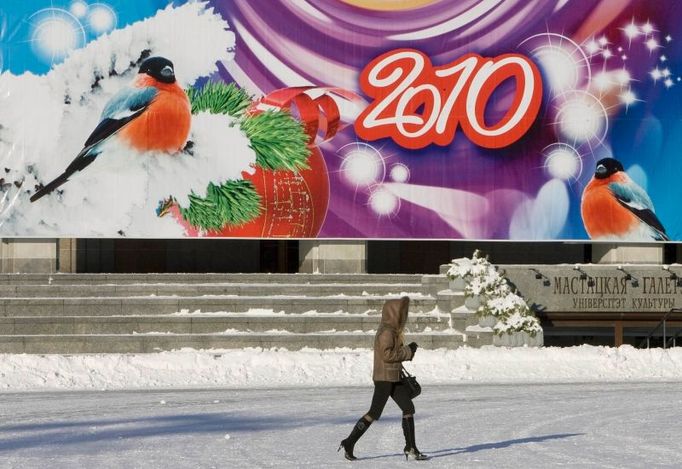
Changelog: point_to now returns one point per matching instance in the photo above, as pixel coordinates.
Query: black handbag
(410, 382)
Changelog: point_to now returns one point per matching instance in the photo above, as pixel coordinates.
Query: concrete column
(28, 255)
(618, 333)
(615, 254)
(328, 257)
(66, 255)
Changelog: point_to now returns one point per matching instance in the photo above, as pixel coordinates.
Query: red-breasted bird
(152, 114)
(615, 207)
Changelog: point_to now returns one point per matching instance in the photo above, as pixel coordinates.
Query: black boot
(410, 446)
(349, 443)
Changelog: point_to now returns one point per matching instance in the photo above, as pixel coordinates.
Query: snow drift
(257, 368)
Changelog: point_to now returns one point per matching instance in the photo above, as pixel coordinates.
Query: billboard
(410, 119)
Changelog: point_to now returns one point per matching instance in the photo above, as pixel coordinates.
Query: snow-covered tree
(497, 298)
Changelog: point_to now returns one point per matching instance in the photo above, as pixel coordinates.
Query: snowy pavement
(514, 425)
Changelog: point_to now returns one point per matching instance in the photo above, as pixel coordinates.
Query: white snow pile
(258, 368)
(44, 121)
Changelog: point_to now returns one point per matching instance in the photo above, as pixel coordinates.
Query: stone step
(248, 289)
(113, 306)
(120, 313)
(192, 324)
(146, 343)
(79, 279)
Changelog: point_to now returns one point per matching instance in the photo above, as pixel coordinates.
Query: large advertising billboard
(411, 119)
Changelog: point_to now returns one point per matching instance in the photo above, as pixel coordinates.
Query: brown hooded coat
(389, 350)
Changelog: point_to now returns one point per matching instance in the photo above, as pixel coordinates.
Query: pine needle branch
(219, 98)
(233, 203)
(279, 140)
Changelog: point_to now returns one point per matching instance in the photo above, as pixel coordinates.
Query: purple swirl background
(328, 43)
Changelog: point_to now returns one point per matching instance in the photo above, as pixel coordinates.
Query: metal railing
(673, 339)
(662, 322)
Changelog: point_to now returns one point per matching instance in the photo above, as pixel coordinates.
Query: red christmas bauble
(294, 204)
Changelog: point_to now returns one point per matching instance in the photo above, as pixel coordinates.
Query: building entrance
(409, 257)
(186, 255)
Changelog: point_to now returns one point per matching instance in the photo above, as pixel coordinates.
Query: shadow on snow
(483, 446)
(99, 430)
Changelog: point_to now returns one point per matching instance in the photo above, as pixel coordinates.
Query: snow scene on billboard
(411, 119)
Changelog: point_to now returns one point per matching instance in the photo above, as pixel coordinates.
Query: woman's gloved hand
(413, 346)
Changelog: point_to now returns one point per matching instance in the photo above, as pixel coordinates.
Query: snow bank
(256, 368)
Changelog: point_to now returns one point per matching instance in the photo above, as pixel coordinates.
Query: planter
(518, 339)
(487, 321)
(457, 284)
(472, 302)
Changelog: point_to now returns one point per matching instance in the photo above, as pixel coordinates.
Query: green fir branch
(235, 202)
(219, 98)
(279, 140)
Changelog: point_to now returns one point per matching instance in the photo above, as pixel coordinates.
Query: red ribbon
(320, 116)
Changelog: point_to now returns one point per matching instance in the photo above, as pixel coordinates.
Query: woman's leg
(382, 391)
(401, 396)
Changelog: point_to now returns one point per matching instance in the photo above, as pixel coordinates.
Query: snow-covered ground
(487, 426)
(257, 368)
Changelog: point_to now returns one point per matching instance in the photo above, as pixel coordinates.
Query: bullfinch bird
(152, 114)
(615, 207)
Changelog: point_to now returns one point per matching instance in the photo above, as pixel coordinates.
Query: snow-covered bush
(518, 322)
(501, 306)
(497, 299)
(466, 268)
(480, 276)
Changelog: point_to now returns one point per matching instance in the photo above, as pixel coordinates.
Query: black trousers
(397, 391)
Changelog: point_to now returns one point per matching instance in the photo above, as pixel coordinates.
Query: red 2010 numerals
(417, 104)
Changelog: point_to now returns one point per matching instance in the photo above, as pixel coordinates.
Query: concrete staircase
(135, 313)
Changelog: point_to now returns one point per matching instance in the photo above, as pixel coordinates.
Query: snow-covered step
(205, 324)
(197, 289)
(89, 306)
(146, 343)
(115, 279)
(81, 313)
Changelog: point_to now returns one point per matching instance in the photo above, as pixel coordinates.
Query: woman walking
(389, 353)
